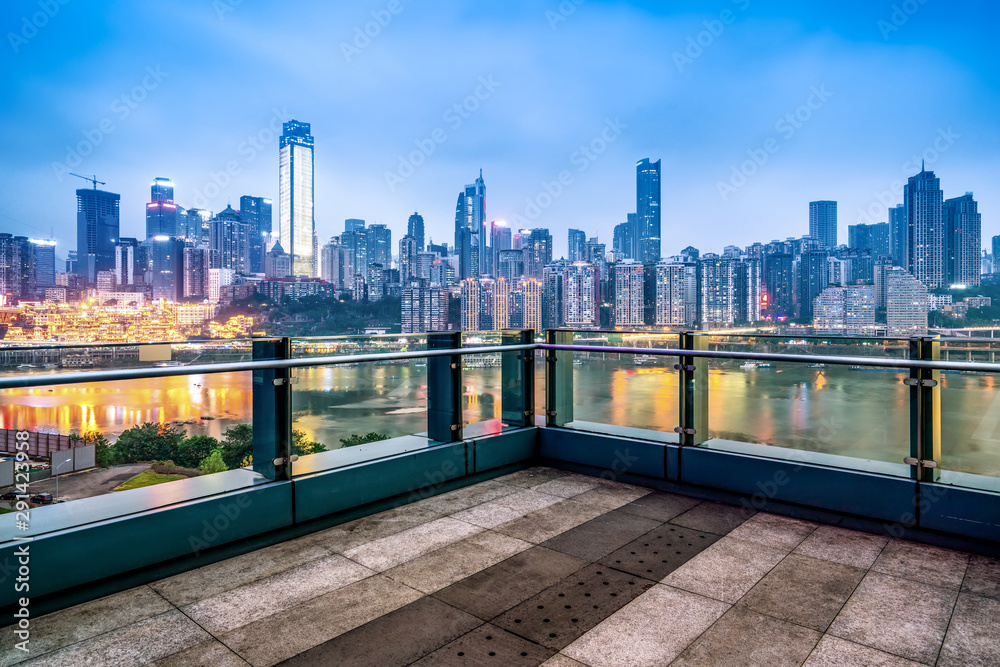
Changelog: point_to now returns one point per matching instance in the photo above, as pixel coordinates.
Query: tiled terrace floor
(548, 567)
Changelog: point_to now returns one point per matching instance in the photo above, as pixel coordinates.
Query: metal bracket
(913, 461)
(457, 427)
(689, 367)
(282, 461)
(551, 413)
(282, 381)
(526, 357)
(455, 367)
(550, 357)
(920, 382)
(686, 431)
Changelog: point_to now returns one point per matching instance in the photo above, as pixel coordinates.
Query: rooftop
(548, 566)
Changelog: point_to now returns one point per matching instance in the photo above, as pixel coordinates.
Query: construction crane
(93, 180)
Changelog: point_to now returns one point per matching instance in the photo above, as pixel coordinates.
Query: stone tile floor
(549, 567)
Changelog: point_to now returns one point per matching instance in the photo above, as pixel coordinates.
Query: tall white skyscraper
(296, 212)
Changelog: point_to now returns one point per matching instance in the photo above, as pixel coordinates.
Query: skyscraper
(906, 304)
(647, 180)
(229, 240)
(922, 201)
(97, 228)
(897, 233)
(963, 240)
(996, 254)
(629, 293)
(539, 252)
(823, 224)
(577, 246)
(161, 211)
(256, 212)
(470, 235)
(812, 277)
(45, 263)
(581, 296)
(415, 229)
(874, 238)
(779, 286)
(378, 245)
(296, 211)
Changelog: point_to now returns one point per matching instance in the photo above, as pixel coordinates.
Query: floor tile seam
(101, 634)
(703, 632)
(502, 629)
(206, 630)
(876, 648)
(951, 617)
(480, 530)
(949, 589)
(742, 596)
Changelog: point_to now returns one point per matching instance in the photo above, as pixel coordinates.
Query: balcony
(863, 535)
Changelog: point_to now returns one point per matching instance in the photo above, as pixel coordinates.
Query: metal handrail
(45, 380)
(903, 364)
(15, 347)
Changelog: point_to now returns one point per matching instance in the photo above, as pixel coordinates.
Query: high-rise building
(501, 304)
(963, 240)
(581, 296)
(554, 291)
(278, 263)
(647, 209)
(676, 284)
(577, 246)
(922, 201)
(812, 277)
(510, 265)
(500, 240)
(897, 235)
(17, 269)
(375, 280)
(470, 307)
(748, 286)
(717, 300)
(256, 213)
(877, 239)
(45, 263)
(354, 225)
(378, 245)
(539, 252)
(333, 259)
(623, 242)
(296, 211)
(530, 310)
(846, 311)
(127, 268)
(408, 268)
(425, 307)
(777, 298)
(906, 304)
(823, 224)
(97, 229)
(470, 233)
(161, 211)
(167, 255)
(415, 229)
(629, 294)
(197, 264)
(996, 253)
(229, 240)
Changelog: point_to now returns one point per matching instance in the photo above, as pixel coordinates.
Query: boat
(421, 363)
(26, 367)
(578, 362)
(754, 365)
(50, 366)
(643, 359)
(815, 365)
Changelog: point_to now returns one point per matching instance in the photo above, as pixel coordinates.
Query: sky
(755, 109)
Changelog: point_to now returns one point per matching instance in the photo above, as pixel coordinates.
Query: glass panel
(613, 391)
(832, 410)
(833, 346)
(482, 382)
(970, 417)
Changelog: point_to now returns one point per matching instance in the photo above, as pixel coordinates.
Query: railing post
(925, 411)
(558, 379)
(517, 393)
(272, 411)
(693, 393)
(444, 388)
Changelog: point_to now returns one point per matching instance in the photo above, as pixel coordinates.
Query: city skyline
(521, 150)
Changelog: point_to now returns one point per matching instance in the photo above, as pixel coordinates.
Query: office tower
(197, 263)
(229, 239)
(375, 280)
(415, 229)
(470, 233)
(277, 263)
(193, 225)
(356, 242)
(882, 265)
(676, 291)
(530, 291)
(877, 239)
(378, 245)
(440, 249)
(408, 258)
(906, 304)
(647, 210)
(256, 213)
(331, 261)
(594, 253)
(354, 225)
(963, 240)
(500, 240)
(470, 305)
(581, 295)
(777, 298)
(501, 304)
(97, 228)
(161, 211)
(922, 199)
(167, 260)
(629, 294)
(996, 253)
(899, 246)
(577, 246)
(717, 300)
(45, 263)
(554, 292)
(539, 252)
(296, 212)
(812, 277)
(623, 241)
(823, 224)
(511, 265)
(17, 269)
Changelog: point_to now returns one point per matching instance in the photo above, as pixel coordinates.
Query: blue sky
(191, 90)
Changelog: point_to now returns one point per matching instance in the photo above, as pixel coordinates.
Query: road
(86, 484)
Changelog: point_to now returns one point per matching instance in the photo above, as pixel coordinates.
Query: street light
(55, 473)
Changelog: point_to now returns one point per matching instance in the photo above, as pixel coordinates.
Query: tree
(237, 444)
(102, 448)
(302, 445)
(192, 451)
(148, 442)
(355, 440)
(213, 463)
